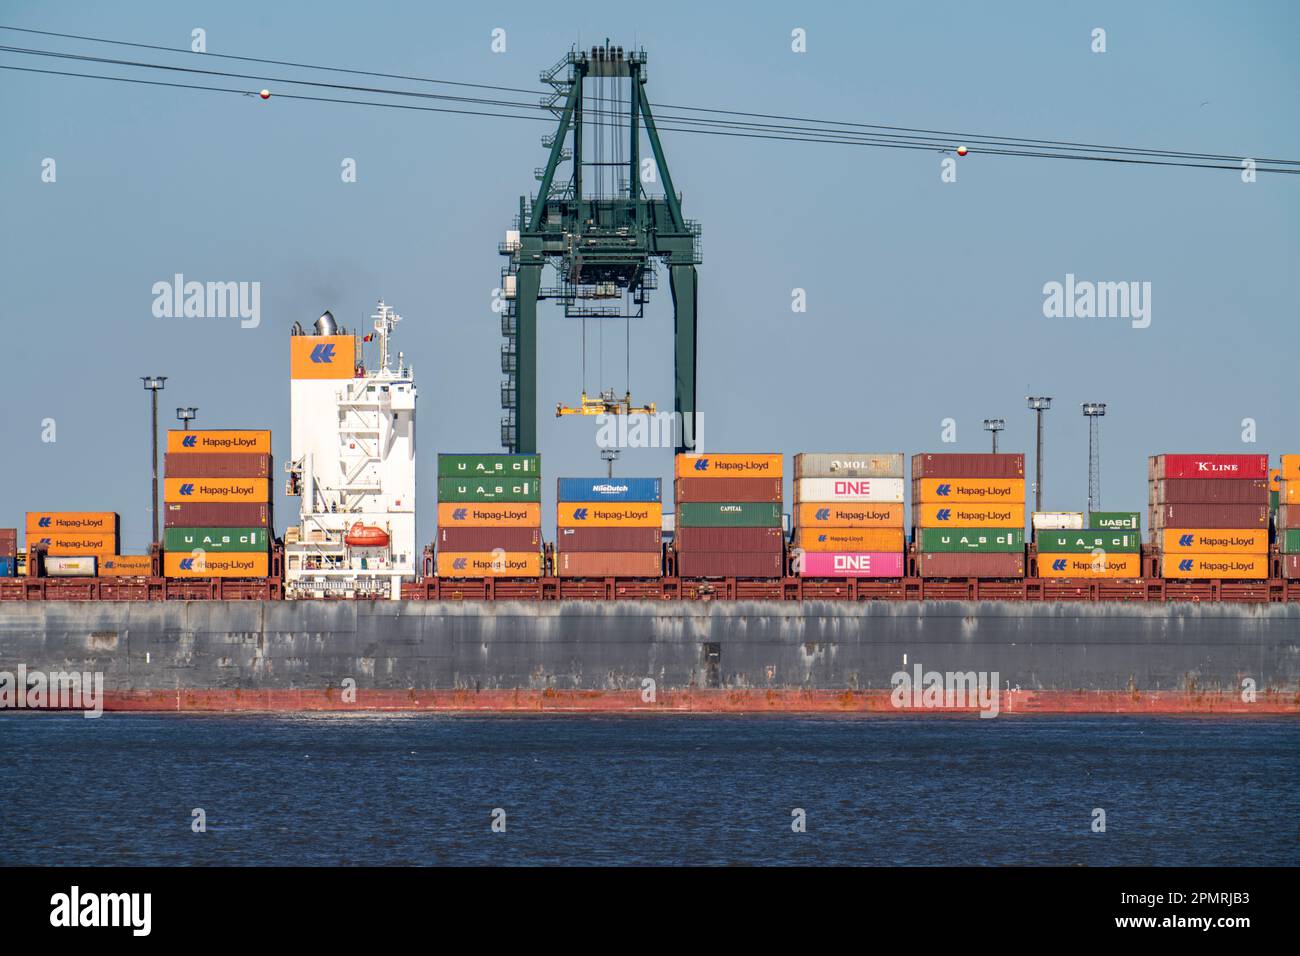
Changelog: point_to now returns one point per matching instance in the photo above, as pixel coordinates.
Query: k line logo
(1058, 564)
(944, 490)
(701, 464)
(323, 353)
(187, 489)
(459, 514)
(44, 522)
(580, 514)
(1185, 541)
(823, 514)
(944, 514)
(1185, 564)
(190, 441)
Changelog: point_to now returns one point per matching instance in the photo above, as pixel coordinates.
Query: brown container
(962, 565)
(1209, 516)
(199, 514)
(1288, 516)
(8, 542)
(608, 539)
(714, 564)
(1209, 491)
(608, 564)
(214, 465)
(731, 540)
(489, 539)
(727, 489)
(979, 465)
(1291, 566)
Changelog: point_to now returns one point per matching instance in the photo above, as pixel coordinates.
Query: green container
(1289, 540)
(1274, 499)
(1086, 542)
(1115, 521)
(489, 466)
(976, 540)
(738, 514)
(489, 489)
(241, 540)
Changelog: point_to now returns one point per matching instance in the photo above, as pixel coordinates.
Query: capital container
(1211, 566)
(848, 465)
(609, 489)
(735, 514)
(1207, 466)
(216, 465)
(482, 466)
(1111, 564)
(222, 441)
(1209, 516)
(609, 539)
(840, 564)
(489, 539)
(713, 540)
(714, 564)
(852, 540)
(194, 514)
(852, 515)
(728, 465)
(854, 490)
(980, 565)
(1086, 542)
(969, 490)
(1208, 491)
(489, 489)
(966, 540)
(1214, 541)
(970, 465)
(609, 564)
(728, 489)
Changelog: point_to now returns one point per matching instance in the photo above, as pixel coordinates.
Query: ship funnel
(326, 325)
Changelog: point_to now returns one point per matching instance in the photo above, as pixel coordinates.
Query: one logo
(187, 564)
(189, 441)
(1058, 564)
(580, 514)
(323, 353)
(823, 514)
(44, 522)
(944, 514)
(944, 490)
(459, 514)
(1185, 541)
(1185, 564)
(187, 489)
(701, 464)
(459, 564)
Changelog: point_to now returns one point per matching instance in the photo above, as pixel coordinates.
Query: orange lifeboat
(366, 536)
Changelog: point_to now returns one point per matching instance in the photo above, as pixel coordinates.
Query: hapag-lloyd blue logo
(323, 353)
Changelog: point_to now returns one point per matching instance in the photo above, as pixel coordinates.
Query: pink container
(839, 564)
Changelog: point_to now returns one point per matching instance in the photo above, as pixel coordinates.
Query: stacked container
(8, 552)
(217, 495)
(1091, 553)
(85, 536)
(968, 515)
(1288, 515)
(609, 527)
(489, 516)
(1209, 515)
(849, 515)
(728, 521)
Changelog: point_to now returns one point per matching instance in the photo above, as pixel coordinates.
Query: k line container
(968, 516)
(852, 540)
(505, 564)
(177, 564)
(713, 564)
(200, 515)
(1207, 466)
(70, 544)
(1208, 491)
(977, 540)
(1115, 520)
(1086, 542)
(609, 489)
(1210, 566)
(609, 564)
(739, 514)
(581, 514)
(1183, 541)
(849, 465)
(126, 565)
(849, 490)
(727, 489)
(216, 465)
(971, 565)
(728, 466)
(839, 564)
(483, 466)
(1110, 565)
(452, 514)
(216, 539)
(1057, 520)
(212, 490)
(219, 441)
(831, 515)
(969, 490)
(1209, 516)
(608, 539)
(950, 465)
(489, 489)
(489, 539)
(76, 522)
(714, 540)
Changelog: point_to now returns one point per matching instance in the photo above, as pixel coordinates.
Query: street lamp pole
(186, 415)
(154, 385)
(1038, 405)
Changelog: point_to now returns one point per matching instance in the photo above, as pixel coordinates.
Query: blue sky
(924, 298)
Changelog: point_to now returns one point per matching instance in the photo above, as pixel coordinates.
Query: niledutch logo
(75, 908)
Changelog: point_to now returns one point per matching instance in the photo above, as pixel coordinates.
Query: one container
(968, 516)
(1086, 542)
(981, 465)
(1212, 566)
(69, 567)
(209, 490)
(608, 539)
(832, 515)
(202, 515)
(489, 489)
(716, 564)
(181, 564)
(970, 490)
(75, 522)
(1214, 541)
(482, 466)
(582, 514)
(69, 544)
(729, 539)
(220, 441)
(486, 515)
(1207, 466)
(979, 565)
(1209, 516)
(502, 564)
(737, 514)
(854, 490)
(728, 466)
(242, 540)
(1115, 520)
(1108, 565)
(1057, 520)
(728, 489)
(848, 465)
(126, 565)
(609, 489)
(489, 539)
(839, 564)
(216, 465)
(609, 564)
(1208, 491)
(978, 540)
(852, 540)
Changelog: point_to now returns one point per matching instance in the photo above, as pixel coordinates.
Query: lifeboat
(366, 536)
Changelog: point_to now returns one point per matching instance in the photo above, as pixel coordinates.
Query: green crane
(599, 229)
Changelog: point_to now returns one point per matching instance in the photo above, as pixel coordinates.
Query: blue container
(7, 567)
(610, 489)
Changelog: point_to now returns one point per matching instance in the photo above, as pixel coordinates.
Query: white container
(849, 464)
(1058, 520)
(835, 490)
(70, 567)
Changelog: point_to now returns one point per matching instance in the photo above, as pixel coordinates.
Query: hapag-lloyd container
(56, 542)
(968, 516)
(968, 540)
(222, 441)
(126, 566)
(969, 490)
(76, 522)
(1209, 566)
(1107, 565)
(489, 489)
(981, 565)
(738, 514)
(608, 539)
(839, 564)
(1214, 541)
(848, 465)
(609, 564)
(211, 490)
(851, 540)
(484, 466)
(488, 515)
(582, 514)
(979, 465)
(832, 515)
(727, 489)
(1207, 466)
(1209, 516)
(1208, 491)
(728, 466)
(1290, 470)
(218, 515)
(216, 465)
(713, 564)
(729, 539)
(182, 564)
(489, 539)
(851, 490)
(500, 564)
(609, 489)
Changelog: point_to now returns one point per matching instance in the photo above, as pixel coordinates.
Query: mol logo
(459, 514)
(580, 514)
(944, 490)
(190, 441)
(1058, 564)
(44, 522)
(323, 353)
(1185, 564)
(823, 514)
(1185, 541)
(944, 514)
(460, 563)
(701, 464)
(187, 489)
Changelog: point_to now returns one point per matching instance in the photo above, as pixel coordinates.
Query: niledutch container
(1108, 565)
(609, 489)
(181, 564)
(976, 540)
(727, 489)
(1115, 520)
(609, 564)
(219, 441)
(852, 540)
(126, 566)
(241, 540)
(839, 564)
(715, 564)
(77, 522)
(482, 466)
(1086, 542)
(1209, 516)
(950, 465)
(501, 564)
(216, 465)
(968, 516)
(728, 465)
(849, 490)
(1208, 491)
(1214, 541)
(608, 539)
(489, 515)
(738, 514)
(1207, 466)
(1209, 566)
(969, 490)
(211, 490)
(985, 565)
(489, 489)
(216, 515)
(581, 514)
(848, 465)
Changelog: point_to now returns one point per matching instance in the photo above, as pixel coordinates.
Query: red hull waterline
(695, 701)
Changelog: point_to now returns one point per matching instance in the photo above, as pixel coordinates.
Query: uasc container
(1086, 542)
(1115, 520)
(482, 466)
(489, 489)
(978, 540)
(216, 539)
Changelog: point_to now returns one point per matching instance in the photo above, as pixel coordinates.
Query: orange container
(71, 543)
(987, 491)
(184, 564)
(76, 522)
(1185, 541)
(852, 540)
(237, 490)
(729, 466)
(1290, 470)
(969, 516)
(1184, 566)
(453, 514)
(125, 565)
(1110, 565)
(1290, 492)
(813, 514)
(217, 440)
(489, 564)
(1275, 479)
(322, 356)
(621, 514)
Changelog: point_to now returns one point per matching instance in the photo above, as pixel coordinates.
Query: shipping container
(489, 489)
(219, 441)
(968, 516)
(1275, 479)
(969, 490)
(1291, 493)
(1208, 491)
(1214, 541)
(850, 540)
(8, 566)
(70, 544)
(1290, 470)
(75, 522)
(1291, 567)
(1115, 520)
(978, 565)
(609, 489)
(322, 356)
(216, 515)
(736, 514)
(489, 539)
(8, 541)
(216, 539)
(68, 567)
(180, 564)
(1210, 566)
(1057, 520)
(980, 465)
(721, 564)
(211, 490)
(609, 564)
(839, 564)
(849, 465)
(484, 466)
(849, 490)
(609, 539)
(214, 465)
(126, 565)
(500, 564)
(1288, 540)
(1288, 516)
(1108, 565)
(481, 516)
(729, 539)
(1086, 542)
(619, 514)
(1207, 466)
(728, 466)
(728, 489)
(829, 515)
(1209, 516)
(978, 540)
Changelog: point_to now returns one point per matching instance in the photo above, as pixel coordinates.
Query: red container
(489, 539)
(1207, 466)
(715, 564)
(209, 465)
(1209, 491)
(1209, 516)
(8, 542)
(608, 539)
(196, 514)
(729, 539)
(609, 564)
(1291, 567)
(959, 565)
(1288, 516)
(728, 489)
(981, 465)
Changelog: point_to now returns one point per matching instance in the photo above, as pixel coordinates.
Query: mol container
(179, 564)
(848, 465)
(221, 441)
(1057, 521)
(1107, 565)
(1213, 566)
(839, 564)
(1207, 466)
(854, 490)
